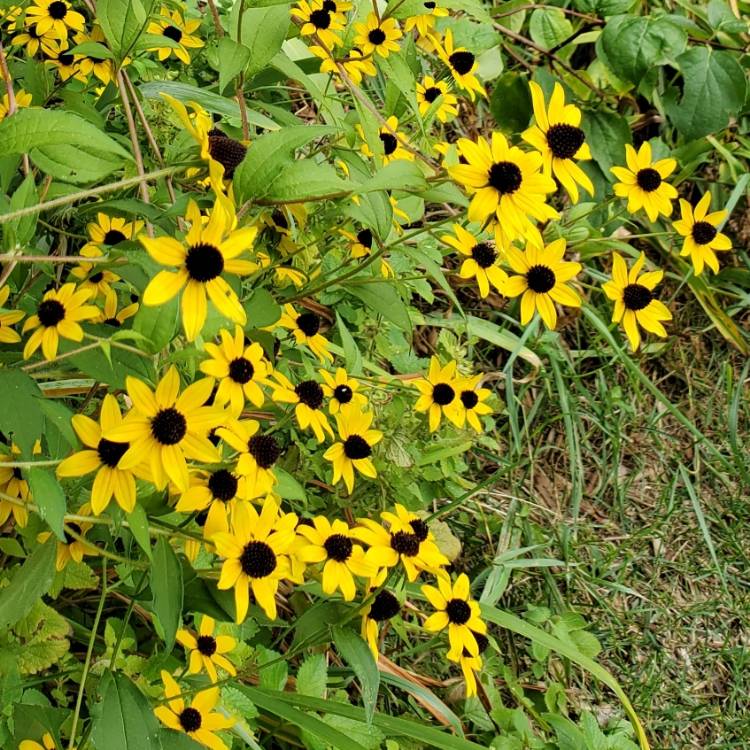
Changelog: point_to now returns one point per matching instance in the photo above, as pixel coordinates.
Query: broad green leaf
(157, 324)
(548, 27)
(358, 656)
(606, 134)
(272, 668)
(171, 739)
(352, 355)
(124, 720)
(28, 583)
(401, 174)
(166, 587)
(384, 300)
(78, 164)
(312, 676)
(307, 180)
(233, 57)
(138, 524)
(92, 49)
(20, 231)
(510, 102)
(288, 487)
(711, 76)
(263, 32)
(58, 430)
(122, 21)
(632, 45)
(262, 309)
(48, 495)
(21, 417)
(604, 7)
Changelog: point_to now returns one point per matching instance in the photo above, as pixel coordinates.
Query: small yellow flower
(306, 329)
(55, 16)
(355, 447)
(110, 231)
(47, 743)
(702, 237)
(317, 19)
(14, 486)
(73, 547)
(438, 394)
(424, 23)
(470, 401)
(172, 26)
(430, 91)
(110, 315)
(23, 99)
(462, 64)
(94, 277)
(257, 455)
(7, 319)
(383, 607)
(207, 651)
(392, 142)
(376, 37)
(342, 391)
(308, 397)
(481, 260)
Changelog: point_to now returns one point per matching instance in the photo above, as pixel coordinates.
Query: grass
(651, 518)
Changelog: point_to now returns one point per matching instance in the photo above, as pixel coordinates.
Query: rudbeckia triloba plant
(360, 361)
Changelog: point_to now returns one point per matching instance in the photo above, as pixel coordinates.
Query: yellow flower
(308, 399)
(407, 540)
(110, 316)
(331, 542)
(355, 64)
(257, 555)
(172, 26)
(48, 743)
(355, 447)
(306, 327)
(164, 427)
(377, 36)
(23, 99)
(103, 456)
(341, 390)
(634, 300)
(59, 57)
(391, 141)
(318, 20)
(110, 231)
(219, 491)
(505, 184)
(207, 650)
(239, 368)
(424, 23)
(361, 247)
(71, 548)
(198, 720)
(102, 68)
(54, 16)
(642, 182)
(458, 612)
(462, 65)
(481, 262)
(58, 314)
(33, 41)
(557, 135)
(542, 280)
(206, 253)
(7, 319)
(470, 401)
(438, 394)
(471, 664)
(430, 91)
(14, 485)
(258, 454)
(383, 607)
(93, 277)
(702, 237)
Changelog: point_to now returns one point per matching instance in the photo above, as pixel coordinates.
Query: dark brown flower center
(207, 645)
(228, 152)
(114, 237)
(648, 179)
(565, 140)
(703, 232)
(57, 10)
(540, 279)
(173, 33)
(169, 426)
(223, 485)
(76, 529)
(241, 370)
(462, 61)
(458, 611)
(469, 399)
(443, 394)
(419, 528)
(264, 449)
(432, 93)
(96, 277)
(204, 262)
(484, 254)
(405, 543)
(636, 296)
(356, 447)
(308, 323)
(384, 606)
(376, 36)
(257, 560)
(338, 547)
(320, 19)
(110, 452)
(310, 393)
(50, 312)
(343, 394)
(364, 237)
(190, 719)
(505, 177)
(390, 143)
(66, 58)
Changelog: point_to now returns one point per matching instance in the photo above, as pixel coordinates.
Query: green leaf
(358, 656)
(166, 587)
(715, 90)
(233, 58)
(20, 231)
(78, 164)
(92, 49)
(122, 21)
(288, 487)
(384, 299)
(170, 739)
(58, 430)
(400, 174)
(631, 45)
(29, 583)
(124, 720)
(604, 7)
(157, 324)
(48, 495)
(268, 156)
(307, 180)
(548, 27)
(606, 134)
(262, 309)
(263, 33)
(312, 676)
(510, 102)
(21, 416)
(352, 355)
(138, 523)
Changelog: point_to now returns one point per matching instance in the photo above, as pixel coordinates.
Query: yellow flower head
(257, 455)
(383, 607)
(180, 32)
(558, 137)
(430, 91)
(392, 142)
(377, 37)
(702, 237)
(462, 64)
(634, 300)
(102, 68)
(354, 449)
(471, 664)
(207, 252)
(74, 546)
(23, 99)
(470, 401)
(542, 280)
(424, 23)
(47, 743)
(33, 41)
(14, 486)
(110, 231)
(306, 327)
(642, 182)
(110, 315)
(317, 19)
(481, 260)
(342, 391)
(54, 16)
(7, 319)
(438, 394)
(94, 277)
(308, 397)
(207, 650)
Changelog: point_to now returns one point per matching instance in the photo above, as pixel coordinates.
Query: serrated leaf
(307, 180)
(510, 102)
(606, 134)
(312, 676)
(548, 27)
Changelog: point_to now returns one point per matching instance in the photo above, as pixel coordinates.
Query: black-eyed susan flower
(110, 231)
(14, 486)
(240, 369)
(377, 36)
(215, 493)
(354, 449)
(457, 612)
(635, 304)
(430, 91)
(284, 275)
(165, 427)
(355, 64)
(172, 26)
(542, 280)
(471, 401)
(409, 542)
(342, 391)
(198, 720)
(438, 393)
(481, 261)
(257, 455)
(207, 252)
(207, 650)
(361, 247)
(32, 41)
(317, 19)
(331, 543)
(93, 277)
(306, 329)
(308, 398)
(557, 135)
(392, 142)
(58, 315)
(59, 57)
(702, 236)
(110, 315)
(47, 743)
(470, 665)
(424, 22)
(257, 555)
(505, 184)
(74, 546)
(103, 457)
(383, 606)
(642, 182)
(55, 16)
(101, 67)
(7, 319)
(462, 64)
(23, 99)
